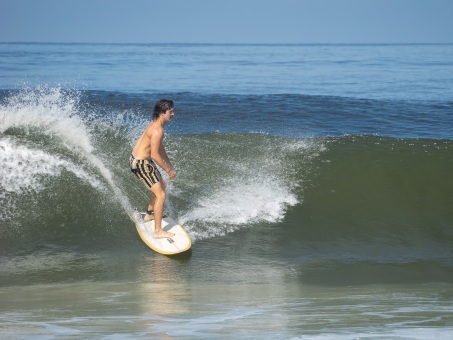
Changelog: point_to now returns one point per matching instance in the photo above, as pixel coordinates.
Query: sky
(227, 21)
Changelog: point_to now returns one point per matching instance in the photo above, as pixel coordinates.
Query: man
(148, 152)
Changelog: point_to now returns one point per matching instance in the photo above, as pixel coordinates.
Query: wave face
(323, 202)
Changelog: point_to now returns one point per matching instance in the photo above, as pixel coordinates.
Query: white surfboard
(179, 243)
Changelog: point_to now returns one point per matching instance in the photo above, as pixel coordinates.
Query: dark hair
(162, 106)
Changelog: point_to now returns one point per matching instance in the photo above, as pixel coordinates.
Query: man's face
(169, 114)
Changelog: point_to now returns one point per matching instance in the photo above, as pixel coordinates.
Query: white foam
(52, 112)
(239, 203)
(23, 167)
(49, 110)
(254, 182)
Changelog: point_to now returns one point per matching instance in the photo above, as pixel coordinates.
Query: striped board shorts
(146, 170)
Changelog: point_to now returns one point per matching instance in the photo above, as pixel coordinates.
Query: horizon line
(226, 43)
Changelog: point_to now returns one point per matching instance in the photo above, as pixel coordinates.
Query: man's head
(161, 107)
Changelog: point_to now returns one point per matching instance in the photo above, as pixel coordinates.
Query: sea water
(314, 180)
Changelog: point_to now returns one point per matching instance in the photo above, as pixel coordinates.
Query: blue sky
(228, 21)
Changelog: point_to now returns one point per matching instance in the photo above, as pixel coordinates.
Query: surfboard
(179, 243)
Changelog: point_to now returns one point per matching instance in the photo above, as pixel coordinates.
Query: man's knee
(158, 192)
(162, 195)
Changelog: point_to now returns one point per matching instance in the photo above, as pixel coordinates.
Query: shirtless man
(148, 152)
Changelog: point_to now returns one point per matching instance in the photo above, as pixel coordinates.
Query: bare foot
(163, 234)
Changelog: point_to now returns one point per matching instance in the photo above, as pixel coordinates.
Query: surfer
(148, 152)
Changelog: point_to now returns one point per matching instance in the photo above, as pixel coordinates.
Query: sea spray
(49, 111)
(237, 181)
(42, 132)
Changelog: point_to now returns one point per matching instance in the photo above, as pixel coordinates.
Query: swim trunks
(146, 170)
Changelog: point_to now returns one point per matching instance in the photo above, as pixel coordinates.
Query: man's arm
(158, 153)
(164, 156)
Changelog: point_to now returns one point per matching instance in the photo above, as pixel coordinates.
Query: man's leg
(159, 201)
(152, 201)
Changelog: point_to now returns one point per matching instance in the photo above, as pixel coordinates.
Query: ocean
(314, 180)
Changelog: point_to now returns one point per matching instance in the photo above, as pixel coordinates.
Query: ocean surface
(316, 182)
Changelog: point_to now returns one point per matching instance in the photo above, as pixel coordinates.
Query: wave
(65, 173)
(65, 182)
(383, 197)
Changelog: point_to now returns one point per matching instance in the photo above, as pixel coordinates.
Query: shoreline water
(141, 310)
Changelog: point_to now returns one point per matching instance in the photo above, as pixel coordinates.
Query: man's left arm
(164, 156)
(171, 172)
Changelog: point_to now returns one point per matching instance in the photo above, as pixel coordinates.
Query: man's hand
(171, 173)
